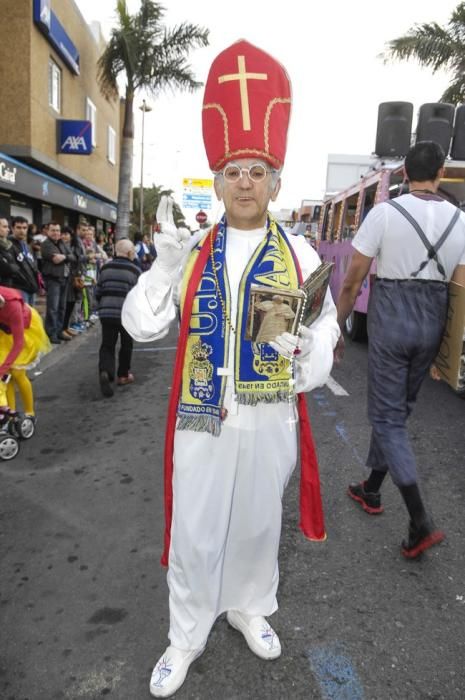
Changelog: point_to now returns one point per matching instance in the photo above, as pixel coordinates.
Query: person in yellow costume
(22, 342)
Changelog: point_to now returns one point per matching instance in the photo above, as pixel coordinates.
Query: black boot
(421, 538)
(423, 533)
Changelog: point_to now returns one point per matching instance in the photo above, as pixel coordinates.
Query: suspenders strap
(432, 249)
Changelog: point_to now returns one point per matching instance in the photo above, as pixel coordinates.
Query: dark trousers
(111, 329)
(406, 320)
(56, 302)
(69, 307)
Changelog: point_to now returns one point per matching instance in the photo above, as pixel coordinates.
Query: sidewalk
(65, 351)
(59, 352)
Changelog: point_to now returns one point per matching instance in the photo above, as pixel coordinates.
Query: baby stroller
(14, 426)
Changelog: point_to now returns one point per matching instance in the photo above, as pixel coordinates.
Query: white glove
(171, 247)
(165, 210)
(290, 345)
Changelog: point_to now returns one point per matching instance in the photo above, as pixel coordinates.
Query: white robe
(227, 490)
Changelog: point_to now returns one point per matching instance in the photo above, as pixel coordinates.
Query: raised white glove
(165, 210)
(290, 345)
(171, 247)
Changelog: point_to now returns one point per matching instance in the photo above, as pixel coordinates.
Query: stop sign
(201, 217)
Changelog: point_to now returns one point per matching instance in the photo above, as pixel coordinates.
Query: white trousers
(226, 525)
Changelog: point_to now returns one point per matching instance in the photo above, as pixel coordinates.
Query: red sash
(311, 509)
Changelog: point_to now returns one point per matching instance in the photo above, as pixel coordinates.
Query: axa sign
(75, 137)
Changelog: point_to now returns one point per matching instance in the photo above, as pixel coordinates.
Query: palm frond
(437, 48)
(455, 92)
(183, 38)
(457, 20)
(429, 44)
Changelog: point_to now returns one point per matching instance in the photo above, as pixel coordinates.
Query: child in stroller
(22, 341)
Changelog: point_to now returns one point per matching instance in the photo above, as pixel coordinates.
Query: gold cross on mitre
(242, 76)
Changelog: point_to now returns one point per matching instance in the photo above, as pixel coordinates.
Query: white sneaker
(171, 670)
(259, 635)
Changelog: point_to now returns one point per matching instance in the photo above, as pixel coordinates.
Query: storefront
(40, 198)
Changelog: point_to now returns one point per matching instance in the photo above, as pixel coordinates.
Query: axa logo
(74, 143)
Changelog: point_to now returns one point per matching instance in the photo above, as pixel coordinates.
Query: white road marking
(336, 388)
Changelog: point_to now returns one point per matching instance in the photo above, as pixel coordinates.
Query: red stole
(311, 509)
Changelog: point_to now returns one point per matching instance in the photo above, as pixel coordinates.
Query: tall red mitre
(246, 107)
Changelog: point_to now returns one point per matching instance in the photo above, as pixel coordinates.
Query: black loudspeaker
(435, 122)
(394, 129)
(457, 151)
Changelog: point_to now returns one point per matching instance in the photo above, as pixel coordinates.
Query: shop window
(111, 145)
(91, 116)
(54, 85)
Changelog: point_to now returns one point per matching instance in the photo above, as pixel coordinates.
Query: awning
(22, 179)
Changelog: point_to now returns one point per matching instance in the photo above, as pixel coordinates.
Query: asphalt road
(83, 599)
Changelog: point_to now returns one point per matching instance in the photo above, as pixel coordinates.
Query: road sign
(197, 193)
(201, 217)
(196, 201)
(197, 183)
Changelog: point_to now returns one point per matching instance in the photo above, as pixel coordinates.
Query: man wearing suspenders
(419, 244)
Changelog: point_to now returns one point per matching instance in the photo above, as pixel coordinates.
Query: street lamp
(145, 108)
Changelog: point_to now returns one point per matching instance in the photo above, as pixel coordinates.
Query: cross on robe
(242, 76)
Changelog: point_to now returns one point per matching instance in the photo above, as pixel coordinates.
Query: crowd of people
(58, 263)
(75, 273)
(62, 265)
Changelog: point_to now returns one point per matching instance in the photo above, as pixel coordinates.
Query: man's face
(81, 231)
(54, 232)
(20, 231)
(4, 228)
(245, 201)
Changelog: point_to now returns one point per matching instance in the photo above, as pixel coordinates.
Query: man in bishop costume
(237, 408)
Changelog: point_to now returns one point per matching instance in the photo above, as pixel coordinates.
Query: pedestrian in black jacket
(57, 258)
(8, 267)
(26, 279)
(116, 279)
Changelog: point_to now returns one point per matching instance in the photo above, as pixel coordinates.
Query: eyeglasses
(255, 172)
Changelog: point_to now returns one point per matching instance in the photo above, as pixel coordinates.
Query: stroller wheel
(26, 426)
(9, 447)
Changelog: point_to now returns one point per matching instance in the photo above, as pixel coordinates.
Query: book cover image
(272, 311)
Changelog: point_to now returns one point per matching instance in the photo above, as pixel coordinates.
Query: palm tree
(151, 58)
(438, 48)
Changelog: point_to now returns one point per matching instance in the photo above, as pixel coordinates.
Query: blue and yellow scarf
(261, 374)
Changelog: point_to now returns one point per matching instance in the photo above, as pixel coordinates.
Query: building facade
(343, 170)
(59, 137)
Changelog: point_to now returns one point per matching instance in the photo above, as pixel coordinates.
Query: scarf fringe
(201, 424)
(212, 425)
(248, 398)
